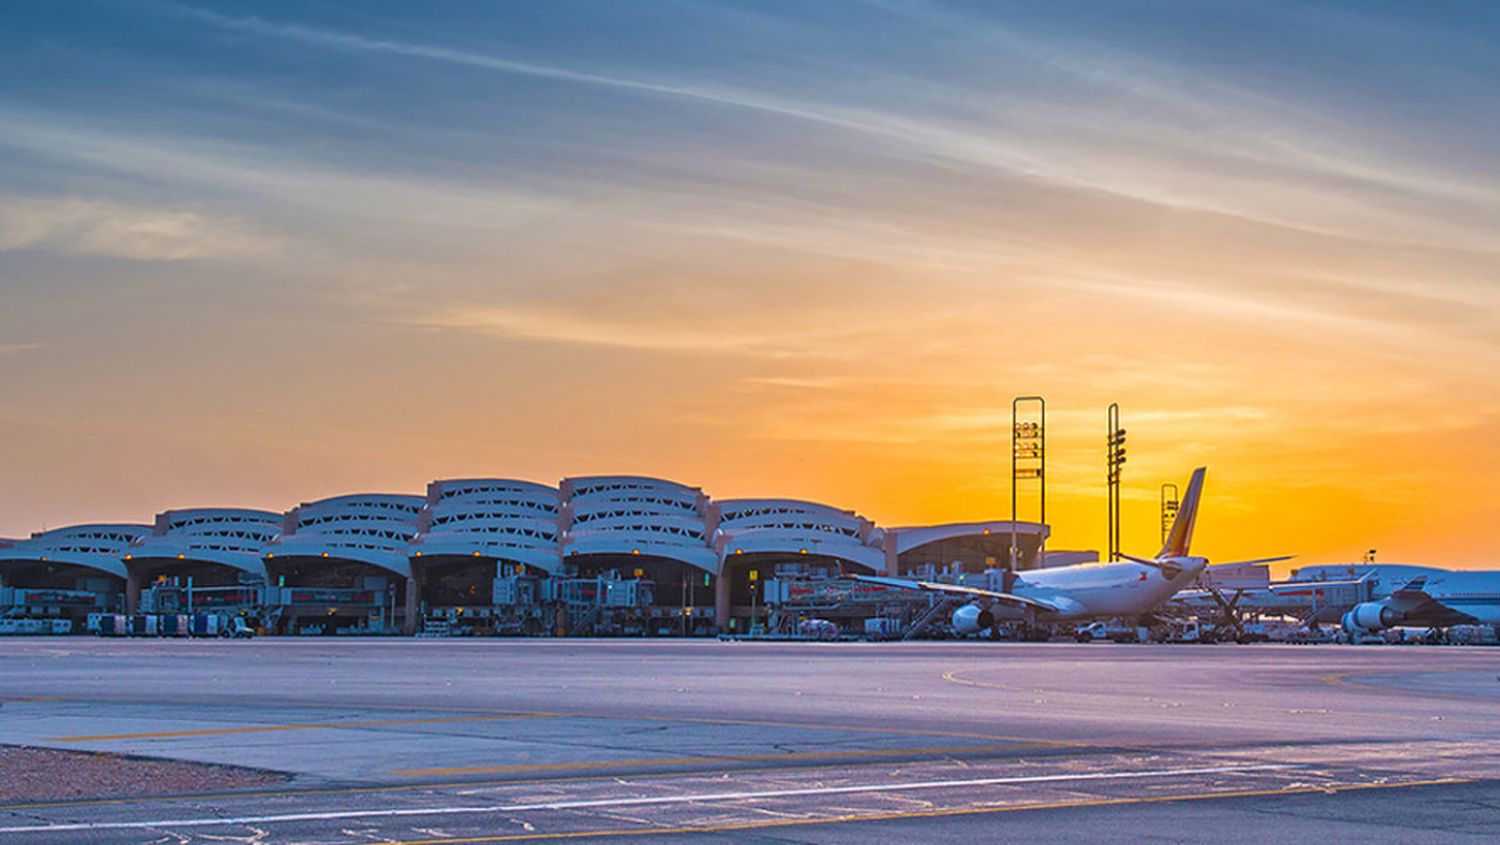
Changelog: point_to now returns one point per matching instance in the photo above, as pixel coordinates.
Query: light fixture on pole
(1028, 462)
(1115, 461)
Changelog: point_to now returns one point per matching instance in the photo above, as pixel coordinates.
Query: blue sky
(706, 239)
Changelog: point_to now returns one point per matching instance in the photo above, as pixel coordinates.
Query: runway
(497, 740)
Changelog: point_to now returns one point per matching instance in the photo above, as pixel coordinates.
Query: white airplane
(1435, 599)
(1131, 587)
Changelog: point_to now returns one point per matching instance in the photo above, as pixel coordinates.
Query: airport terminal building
(593, 554)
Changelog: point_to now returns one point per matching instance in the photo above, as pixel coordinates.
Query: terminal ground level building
(596, 555)
(66, 573)
(47, 590)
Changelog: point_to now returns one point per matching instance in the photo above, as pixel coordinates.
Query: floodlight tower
(1114, 460)
(1169, 505)
(1028, 462)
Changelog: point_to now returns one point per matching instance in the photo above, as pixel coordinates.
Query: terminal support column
(721, 599)
(413, 592)
(132, 591)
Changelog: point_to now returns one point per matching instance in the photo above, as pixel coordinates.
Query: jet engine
(1370, 616)
(971, 619)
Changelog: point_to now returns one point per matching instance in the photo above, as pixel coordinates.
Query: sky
(259, 253)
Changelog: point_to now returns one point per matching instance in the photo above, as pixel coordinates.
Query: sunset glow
(261, 253)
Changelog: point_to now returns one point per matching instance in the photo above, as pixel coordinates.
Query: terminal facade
(594, 554)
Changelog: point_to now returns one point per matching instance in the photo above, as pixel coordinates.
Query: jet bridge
(861, 607)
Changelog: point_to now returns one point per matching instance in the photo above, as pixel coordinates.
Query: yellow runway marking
(928, 814)
(573, 714)
(469, 785)
(951, 676)
(813, 726)
(1354, 679)
(306, 726)
(830, 756)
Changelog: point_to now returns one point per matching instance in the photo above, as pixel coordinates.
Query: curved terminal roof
(375, 505)
(589, 486)
(496, 518)
(912, 537)
(791, 526)
(451, 488)
(743, 509)
(232, 537)
(94, 546)
(370, 528)
(636, 515)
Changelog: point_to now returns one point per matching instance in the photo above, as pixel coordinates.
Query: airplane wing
(1294, 587)
(1254, 562)
(956, 590)
(1418, 607)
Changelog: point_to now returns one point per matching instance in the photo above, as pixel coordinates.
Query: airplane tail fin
(1181, 535)
(1415, 586)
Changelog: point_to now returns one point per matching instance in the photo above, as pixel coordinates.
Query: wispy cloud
(119, 230)
(660, 333)
(1249, 123)
(257, 173)
(350, 41)
(801, 383)
(1275, 170)
(19, 348)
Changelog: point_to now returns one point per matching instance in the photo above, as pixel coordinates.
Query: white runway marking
(635, 802)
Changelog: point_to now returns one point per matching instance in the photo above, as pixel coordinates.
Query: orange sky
(763, 268)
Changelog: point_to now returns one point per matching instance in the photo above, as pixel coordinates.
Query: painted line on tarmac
(809, 726)
(929, 814)
(1365, 680)
(596, 803)
(570, 714)
(304, 726)
(602, 803)
(830, 756)
(468, 787)
(814, 726)
(951, 676)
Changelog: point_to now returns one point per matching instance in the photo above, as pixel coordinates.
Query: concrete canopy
(369, 528)
(93, 546)
(228, 537)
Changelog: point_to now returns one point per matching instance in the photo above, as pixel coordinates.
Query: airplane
(1132, 587)
(1361, 598)
(1436, 599)
(1324, 593)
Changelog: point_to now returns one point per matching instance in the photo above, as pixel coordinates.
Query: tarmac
(425, 740)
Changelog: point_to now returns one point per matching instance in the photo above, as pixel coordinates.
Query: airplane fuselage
(1475, 594)
(1102, 589)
